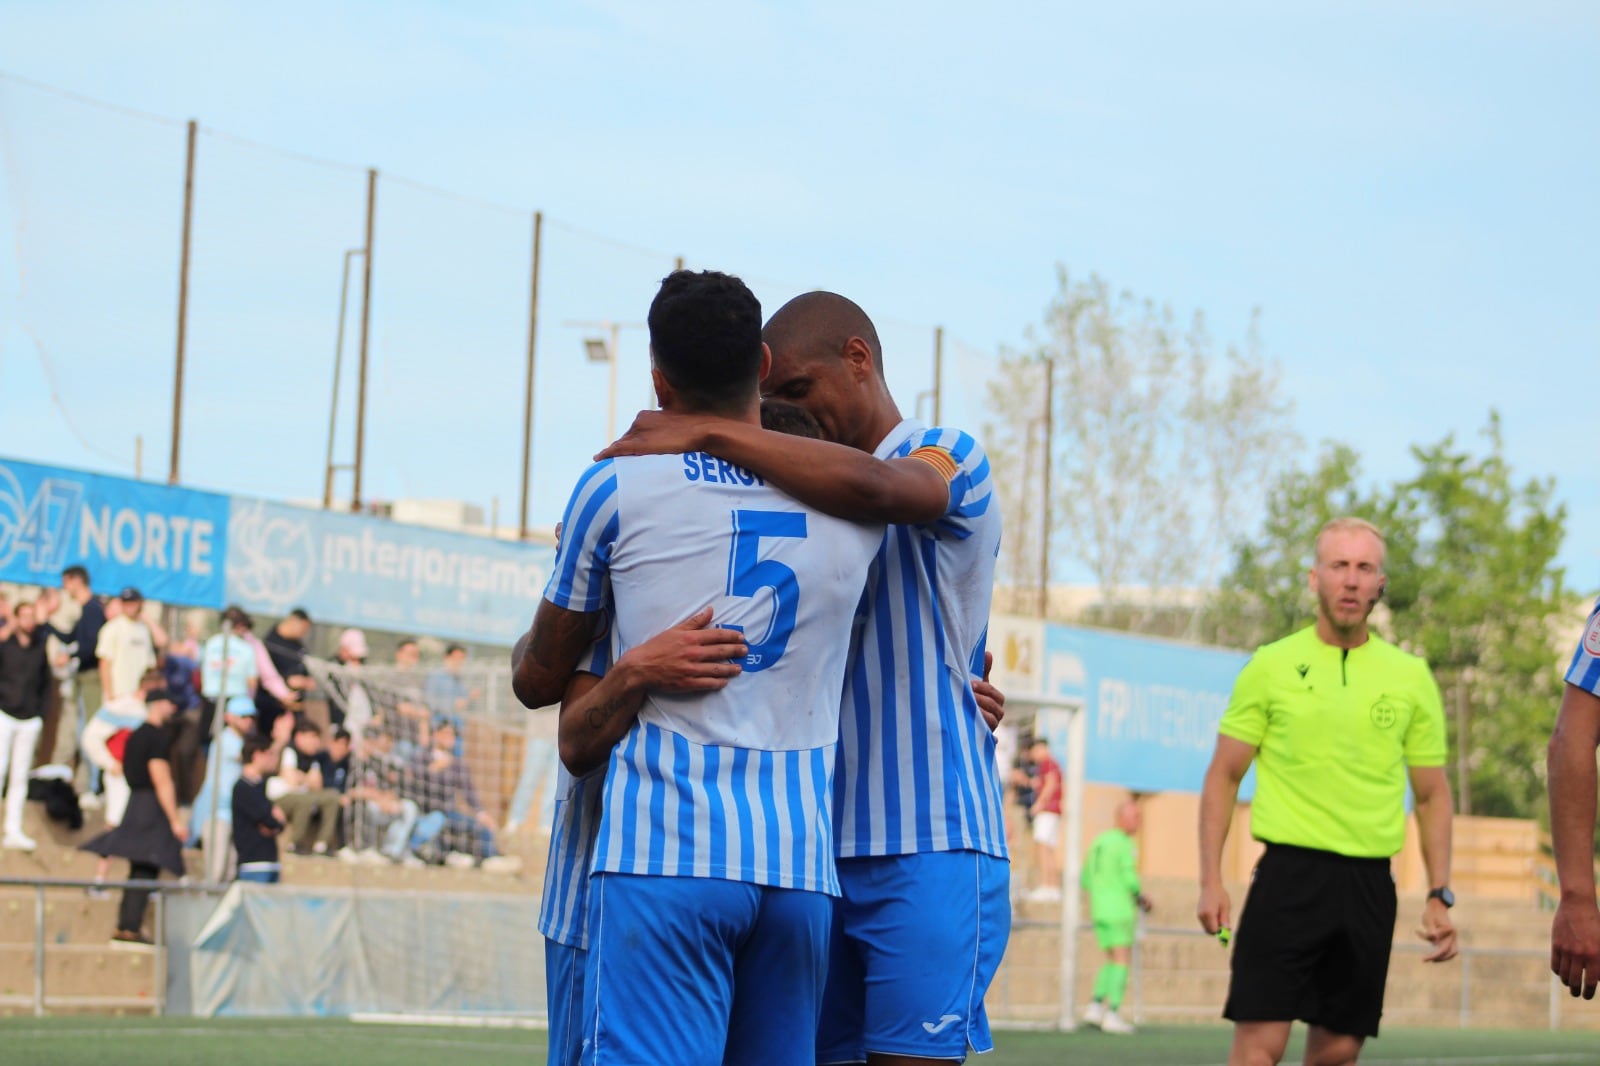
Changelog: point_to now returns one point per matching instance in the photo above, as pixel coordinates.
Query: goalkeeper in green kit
(1111, 878)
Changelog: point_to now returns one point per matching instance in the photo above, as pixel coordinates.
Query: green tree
(1483, 592)
(1473, 587)
(1154, 452)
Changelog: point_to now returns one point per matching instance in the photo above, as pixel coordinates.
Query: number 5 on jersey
(749, 574)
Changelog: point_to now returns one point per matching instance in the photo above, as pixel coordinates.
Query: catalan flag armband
(938, 458)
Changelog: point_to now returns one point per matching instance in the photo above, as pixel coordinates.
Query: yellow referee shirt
(1335, 730)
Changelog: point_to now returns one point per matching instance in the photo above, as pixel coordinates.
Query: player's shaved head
(816, 325)
(1129, 816)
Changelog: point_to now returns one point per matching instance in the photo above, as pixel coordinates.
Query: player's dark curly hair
(705, 337)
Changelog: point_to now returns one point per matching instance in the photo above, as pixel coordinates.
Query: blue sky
(1406, 191)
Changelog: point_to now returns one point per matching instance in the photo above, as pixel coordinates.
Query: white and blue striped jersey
(917, 769)
(1585, 669)
(732, 784)
(564, 907)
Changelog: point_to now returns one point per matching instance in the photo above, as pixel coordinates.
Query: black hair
(781, 416)
(238, 617)
(340, 733)
(302, 724)
(705, 338)
(300, 613)
(452, 649)
(254, 745)
(76, 571)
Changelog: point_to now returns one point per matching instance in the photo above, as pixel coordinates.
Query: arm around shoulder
(833, 478)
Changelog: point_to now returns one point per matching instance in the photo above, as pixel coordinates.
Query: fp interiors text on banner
(167, 542)
(364, 571)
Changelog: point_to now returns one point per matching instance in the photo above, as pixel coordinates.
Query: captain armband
(938, 458)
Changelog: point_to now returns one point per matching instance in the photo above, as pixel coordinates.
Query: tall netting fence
(92, 201)
(446, 767)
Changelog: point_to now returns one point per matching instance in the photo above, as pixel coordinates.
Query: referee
(1335, 720)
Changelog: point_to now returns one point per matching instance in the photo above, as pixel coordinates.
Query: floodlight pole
(527, 388)
(1049, 447)
(183, 305)
(338, 371)
(366, 328)
(612, 343)
(938, 375)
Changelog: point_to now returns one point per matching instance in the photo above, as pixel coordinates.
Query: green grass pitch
(95, 1041)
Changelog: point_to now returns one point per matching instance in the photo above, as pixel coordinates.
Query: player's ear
(859, 356)
(663, 388)
(766, 362)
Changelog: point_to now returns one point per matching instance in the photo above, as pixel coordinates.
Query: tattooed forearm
(604, 713)
(549, 653)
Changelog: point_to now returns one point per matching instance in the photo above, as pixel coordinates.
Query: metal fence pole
(38, 951)
(1137, 960)
(161, 952)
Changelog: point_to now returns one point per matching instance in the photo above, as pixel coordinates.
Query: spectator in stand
(126, 648)
(181, 675)
(286, 650)
(352, 654)
(449, 801)
(224, 762)
(256, 823)
(24, 697)
(301, 791)
(1046, 812)
(228, 669)
(336, 773)
(448, 692)
(105, 741)
(189, 645)
(151, 834)
(411, 721)
(82, 640)
(381, 817)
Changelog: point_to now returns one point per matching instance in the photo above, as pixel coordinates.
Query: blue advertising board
(362, 571)
(165, 541)
(1153, 705)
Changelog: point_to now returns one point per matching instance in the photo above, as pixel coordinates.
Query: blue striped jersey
(1585, 669)
(730, 784)
(564, 907)
(917, 768)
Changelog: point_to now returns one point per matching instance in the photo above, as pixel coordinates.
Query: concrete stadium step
(82, 976)
(70, 917)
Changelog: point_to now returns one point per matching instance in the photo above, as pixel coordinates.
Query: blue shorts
(563, 992)
(916, 941)
(698, 971)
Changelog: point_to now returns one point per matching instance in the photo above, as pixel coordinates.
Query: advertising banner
(167, 542)
(364, 571)
(1153, 705)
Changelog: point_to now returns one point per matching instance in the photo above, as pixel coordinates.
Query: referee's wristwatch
(1443, 895)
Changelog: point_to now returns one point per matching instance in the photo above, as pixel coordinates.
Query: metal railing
(39, 1000)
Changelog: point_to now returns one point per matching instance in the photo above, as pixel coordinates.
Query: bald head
(819, 324)
(1129, 817)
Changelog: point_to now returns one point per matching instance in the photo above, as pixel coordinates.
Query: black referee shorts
(1313, 941)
